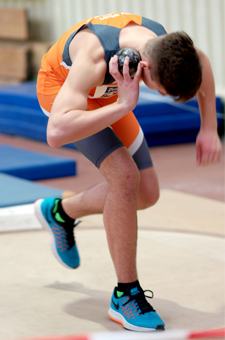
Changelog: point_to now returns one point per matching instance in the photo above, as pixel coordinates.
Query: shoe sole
(44, 224)
(115, 316)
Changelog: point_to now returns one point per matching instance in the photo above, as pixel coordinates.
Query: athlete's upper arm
(82, 77)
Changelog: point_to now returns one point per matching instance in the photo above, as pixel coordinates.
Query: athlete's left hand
(208, 147)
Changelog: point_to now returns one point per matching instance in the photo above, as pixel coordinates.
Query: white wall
(203, 20)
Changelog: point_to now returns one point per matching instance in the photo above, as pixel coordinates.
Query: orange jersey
(54, 71)
(56, 63)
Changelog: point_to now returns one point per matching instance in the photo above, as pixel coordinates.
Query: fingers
(113, 69)
(198, 155)
(208, 147)
(138, 73)
(128, 88)
(218, 157)
(215, 157)
(126, 70)
(207, 158)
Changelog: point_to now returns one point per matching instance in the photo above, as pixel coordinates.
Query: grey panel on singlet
(97, 147)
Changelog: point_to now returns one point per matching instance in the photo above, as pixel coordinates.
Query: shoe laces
(65, 236)
(140, 301)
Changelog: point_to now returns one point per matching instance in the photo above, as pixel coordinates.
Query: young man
(89, 103)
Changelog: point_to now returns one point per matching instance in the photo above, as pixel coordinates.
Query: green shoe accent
(119, 294)
(59, 218)
(55, 206)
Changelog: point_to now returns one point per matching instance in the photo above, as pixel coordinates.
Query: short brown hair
(176, 65)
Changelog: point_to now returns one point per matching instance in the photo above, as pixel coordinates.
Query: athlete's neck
(135, 36)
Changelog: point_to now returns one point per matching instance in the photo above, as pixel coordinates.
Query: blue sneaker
(132, 310)
(63, 243)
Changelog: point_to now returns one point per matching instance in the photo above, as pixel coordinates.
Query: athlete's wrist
(124, 106)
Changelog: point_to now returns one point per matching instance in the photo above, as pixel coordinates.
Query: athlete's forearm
(75, 125)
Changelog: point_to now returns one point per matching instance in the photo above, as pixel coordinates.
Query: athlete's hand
(128, 88)
(208, 147)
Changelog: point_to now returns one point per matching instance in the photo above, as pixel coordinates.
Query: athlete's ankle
(60, 215)
(122, 287)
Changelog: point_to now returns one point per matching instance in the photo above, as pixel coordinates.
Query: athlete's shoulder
(120, 20)
(117, 19)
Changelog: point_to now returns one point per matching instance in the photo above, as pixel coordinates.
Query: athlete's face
(151, 83)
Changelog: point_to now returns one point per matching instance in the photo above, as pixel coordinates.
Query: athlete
(89, 103)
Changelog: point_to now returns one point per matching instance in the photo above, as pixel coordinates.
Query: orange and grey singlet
(54, 71)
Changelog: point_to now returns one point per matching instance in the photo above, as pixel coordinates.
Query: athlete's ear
(145, 64)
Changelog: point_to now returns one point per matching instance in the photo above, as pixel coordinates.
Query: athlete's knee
(148, 191)
(148, 198)
(126, 176)
(121, 172)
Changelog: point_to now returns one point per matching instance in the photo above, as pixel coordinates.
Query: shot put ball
(134, 58)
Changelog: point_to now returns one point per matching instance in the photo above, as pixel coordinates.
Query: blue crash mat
(34, 165)
(20, 113)
(167, 122)
(163, 121)
(16, 191)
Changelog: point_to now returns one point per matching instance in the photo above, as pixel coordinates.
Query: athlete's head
(175, 65)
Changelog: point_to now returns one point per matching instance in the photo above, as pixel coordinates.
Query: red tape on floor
(158, 335)
(211, 334)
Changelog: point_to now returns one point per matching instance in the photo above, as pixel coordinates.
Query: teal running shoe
(132, 310)
(62, 237)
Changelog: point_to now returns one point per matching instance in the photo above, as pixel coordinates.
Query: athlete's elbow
(55, 137)
(53, 141)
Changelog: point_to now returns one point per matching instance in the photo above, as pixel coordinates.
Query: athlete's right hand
(128, 88)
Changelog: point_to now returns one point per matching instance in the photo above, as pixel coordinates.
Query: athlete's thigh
(100, 145)
(126, 132)
(130, 133)
(96, 147)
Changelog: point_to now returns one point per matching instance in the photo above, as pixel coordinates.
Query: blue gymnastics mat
(167, 122)
(163, 121)
(17, 191)
(20, 113)
(34, 165)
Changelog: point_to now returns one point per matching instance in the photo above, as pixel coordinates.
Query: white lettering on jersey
(104, 91)
(107, 16)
